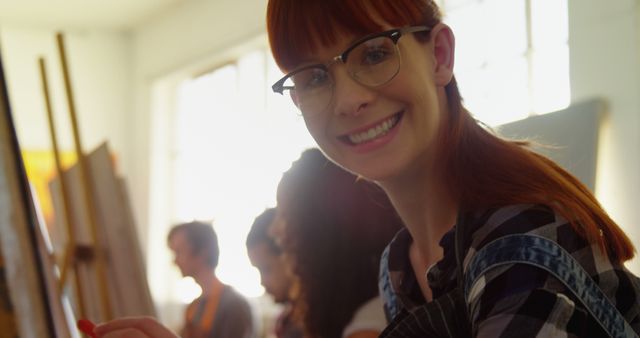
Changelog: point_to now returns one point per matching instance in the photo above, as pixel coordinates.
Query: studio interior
(161, 112)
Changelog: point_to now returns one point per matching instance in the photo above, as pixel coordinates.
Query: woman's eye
(375, 56)
(311, 79)
(317, 79)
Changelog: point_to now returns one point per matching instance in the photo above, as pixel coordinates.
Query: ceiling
(103, 14)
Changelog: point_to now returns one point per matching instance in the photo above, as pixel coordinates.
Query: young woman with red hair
(499, 241)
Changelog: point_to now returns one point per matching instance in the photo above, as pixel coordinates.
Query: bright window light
(512, 56)
(233, 140)
(188, 290)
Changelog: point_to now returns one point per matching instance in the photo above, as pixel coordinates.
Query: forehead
(302, 37)
(262, 253)
(279, 220)
(283, 191)
(178, 241)
(343, 41)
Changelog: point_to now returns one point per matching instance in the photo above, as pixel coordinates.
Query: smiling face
(381, 132)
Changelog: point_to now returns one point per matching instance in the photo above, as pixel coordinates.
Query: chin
(279, 299)
(380, 165)
(376, 172)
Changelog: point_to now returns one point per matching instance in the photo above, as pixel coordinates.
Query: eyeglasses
(371, 61)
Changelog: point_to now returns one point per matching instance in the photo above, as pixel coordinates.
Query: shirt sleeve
(538, 313)
(524, 301)
(521, 300)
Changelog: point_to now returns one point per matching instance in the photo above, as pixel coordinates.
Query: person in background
(267, 257)
(333, 228)
(500, 241)
(219, 312)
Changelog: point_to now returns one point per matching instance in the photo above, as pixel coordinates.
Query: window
(512, 56)
(233, 140)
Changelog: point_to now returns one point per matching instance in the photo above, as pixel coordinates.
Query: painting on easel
(24, 270)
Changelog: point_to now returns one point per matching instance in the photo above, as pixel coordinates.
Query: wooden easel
(76, 254)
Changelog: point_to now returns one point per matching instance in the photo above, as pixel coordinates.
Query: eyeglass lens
(373, 62)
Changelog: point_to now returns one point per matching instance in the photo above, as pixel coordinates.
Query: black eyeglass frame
(393, 34)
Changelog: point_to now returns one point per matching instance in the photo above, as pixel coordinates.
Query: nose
(350, 97)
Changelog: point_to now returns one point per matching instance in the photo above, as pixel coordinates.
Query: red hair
(483, 170)
(296, 27)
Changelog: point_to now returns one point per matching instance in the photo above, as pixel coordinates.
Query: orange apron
(201, 327)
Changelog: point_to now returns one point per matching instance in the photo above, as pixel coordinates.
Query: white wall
(604, 42)
(99, 66)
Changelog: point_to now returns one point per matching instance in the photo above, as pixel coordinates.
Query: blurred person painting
(219, 312)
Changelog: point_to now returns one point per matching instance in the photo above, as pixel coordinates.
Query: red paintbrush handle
(86, 326)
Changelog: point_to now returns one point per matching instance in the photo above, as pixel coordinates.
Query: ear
(444, 52)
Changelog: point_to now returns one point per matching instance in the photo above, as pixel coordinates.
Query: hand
(133, 327)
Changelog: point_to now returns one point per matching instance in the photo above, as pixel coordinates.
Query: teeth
(374, 132)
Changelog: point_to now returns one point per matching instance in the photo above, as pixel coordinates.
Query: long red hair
(483, 169)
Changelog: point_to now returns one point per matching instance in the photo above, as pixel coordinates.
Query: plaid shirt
(517, 300)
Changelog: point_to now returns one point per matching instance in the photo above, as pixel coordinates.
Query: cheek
(185, 259)
(320, 129)
(421, 93)
(429, 107)
(316, 127)
(264, 279)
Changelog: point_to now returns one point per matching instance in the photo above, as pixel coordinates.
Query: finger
(125, 333)
(146, 325)
(117, 324)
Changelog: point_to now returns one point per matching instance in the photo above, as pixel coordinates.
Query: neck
(207, 279)
(426, 208)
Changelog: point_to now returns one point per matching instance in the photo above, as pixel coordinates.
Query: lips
(372, 132)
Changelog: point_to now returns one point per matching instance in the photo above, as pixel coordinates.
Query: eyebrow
(356, 39)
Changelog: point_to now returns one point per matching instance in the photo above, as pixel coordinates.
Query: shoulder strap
(391, 307)
(548, 255)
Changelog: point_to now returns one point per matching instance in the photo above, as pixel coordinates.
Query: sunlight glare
(233, 142)
(188, 290)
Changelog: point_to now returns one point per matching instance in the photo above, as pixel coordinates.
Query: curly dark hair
(336, 229)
